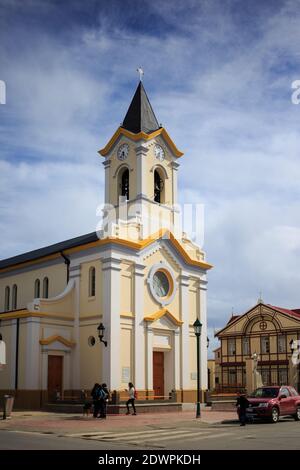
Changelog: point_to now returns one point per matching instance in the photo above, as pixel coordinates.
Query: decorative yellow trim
(14, 314)
(160, 313)
(139, 136)
(141, 244)
(25, 313)
(89, 317)
(54, 338)
(136, 245)
(126, 315)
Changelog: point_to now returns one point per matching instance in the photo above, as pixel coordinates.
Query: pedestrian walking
(104, 400)
(242, 404)
(132, 396)
(96, 401)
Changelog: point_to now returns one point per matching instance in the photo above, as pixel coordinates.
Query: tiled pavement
(54, 423)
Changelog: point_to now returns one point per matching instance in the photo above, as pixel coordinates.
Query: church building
(138, 282)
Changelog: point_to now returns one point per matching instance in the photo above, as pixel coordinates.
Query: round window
(91, 341)
(161, 284)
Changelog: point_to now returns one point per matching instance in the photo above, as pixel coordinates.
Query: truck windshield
(265, 393)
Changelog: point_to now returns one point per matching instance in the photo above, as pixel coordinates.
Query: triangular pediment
(261, 317)
(58, 339)
(163, 315)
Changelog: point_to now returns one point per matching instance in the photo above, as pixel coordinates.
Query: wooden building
(266, 330)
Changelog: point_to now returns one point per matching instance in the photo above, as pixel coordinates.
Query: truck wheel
(275, 415)
(297, 415)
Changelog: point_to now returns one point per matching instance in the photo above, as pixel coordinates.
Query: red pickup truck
(273, 402)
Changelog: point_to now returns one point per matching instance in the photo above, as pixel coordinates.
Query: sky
(218, 75)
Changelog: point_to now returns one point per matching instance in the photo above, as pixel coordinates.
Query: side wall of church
(25, 281)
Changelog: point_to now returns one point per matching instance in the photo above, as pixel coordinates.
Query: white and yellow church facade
(138, 275)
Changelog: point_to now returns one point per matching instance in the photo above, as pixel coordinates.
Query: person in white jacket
(131, 400)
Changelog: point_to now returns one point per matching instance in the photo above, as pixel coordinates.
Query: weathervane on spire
(140, 71)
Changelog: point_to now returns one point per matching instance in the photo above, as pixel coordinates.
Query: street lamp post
(197, 329)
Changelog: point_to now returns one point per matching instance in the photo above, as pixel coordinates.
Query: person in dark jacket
(243, 404)
(96, 401)
(103, 401)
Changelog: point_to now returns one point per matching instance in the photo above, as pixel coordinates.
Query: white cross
(140, 71)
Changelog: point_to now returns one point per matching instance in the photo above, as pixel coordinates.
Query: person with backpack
(96, 403)
(132, 397)
(103, 401)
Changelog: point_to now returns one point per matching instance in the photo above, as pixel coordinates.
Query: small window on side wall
(14, 297)
(37, 289)
(92, 282)
(45, 288)
(7, 298)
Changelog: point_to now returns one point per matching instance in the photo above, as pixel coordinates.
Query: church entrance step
(153, 407)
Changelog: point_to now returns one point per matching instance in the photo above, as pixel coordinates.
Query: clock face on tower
(159, 153)
(123, 152)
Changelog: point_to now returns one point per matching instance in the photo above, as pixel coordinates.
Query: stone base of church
(39, 399)
(26, 399)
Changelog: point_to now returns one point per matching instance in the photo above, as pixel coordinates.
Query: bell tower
(141, 169)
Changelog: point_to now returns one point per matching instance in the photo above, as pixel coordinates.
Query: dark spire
(140, 116)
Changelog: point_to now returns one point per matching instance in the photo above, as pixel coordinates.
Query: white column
(141, 153)
(75, 365)
(149, 357)
(12, 362)
(66, 371)
(202, 288)
(106, 165)
(33, 378)
(44, 370)
(139, 328)
(111, 355)
(185, 340)
(177, 359)
(174, 166)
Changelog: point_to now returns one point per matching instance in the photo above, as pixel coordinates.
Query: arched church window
(124, 183)
(45, 288)
(37, 289)
(92, 282)
(158, 187)
(6, 300)
(14, 297)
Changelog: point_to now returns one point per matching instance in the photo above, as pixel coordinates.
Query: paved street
(164, 431)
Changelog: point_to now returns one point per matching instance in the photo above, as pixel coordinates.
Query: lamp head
(197, 327)
(101, 329)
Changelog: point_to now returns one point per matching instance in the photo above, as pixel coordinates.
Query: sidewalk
(59, 423)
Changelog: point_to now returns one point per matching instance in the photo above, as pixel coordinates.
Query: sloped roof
(232, 318)
(49, 250)
(293, 313)
(140, 116)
